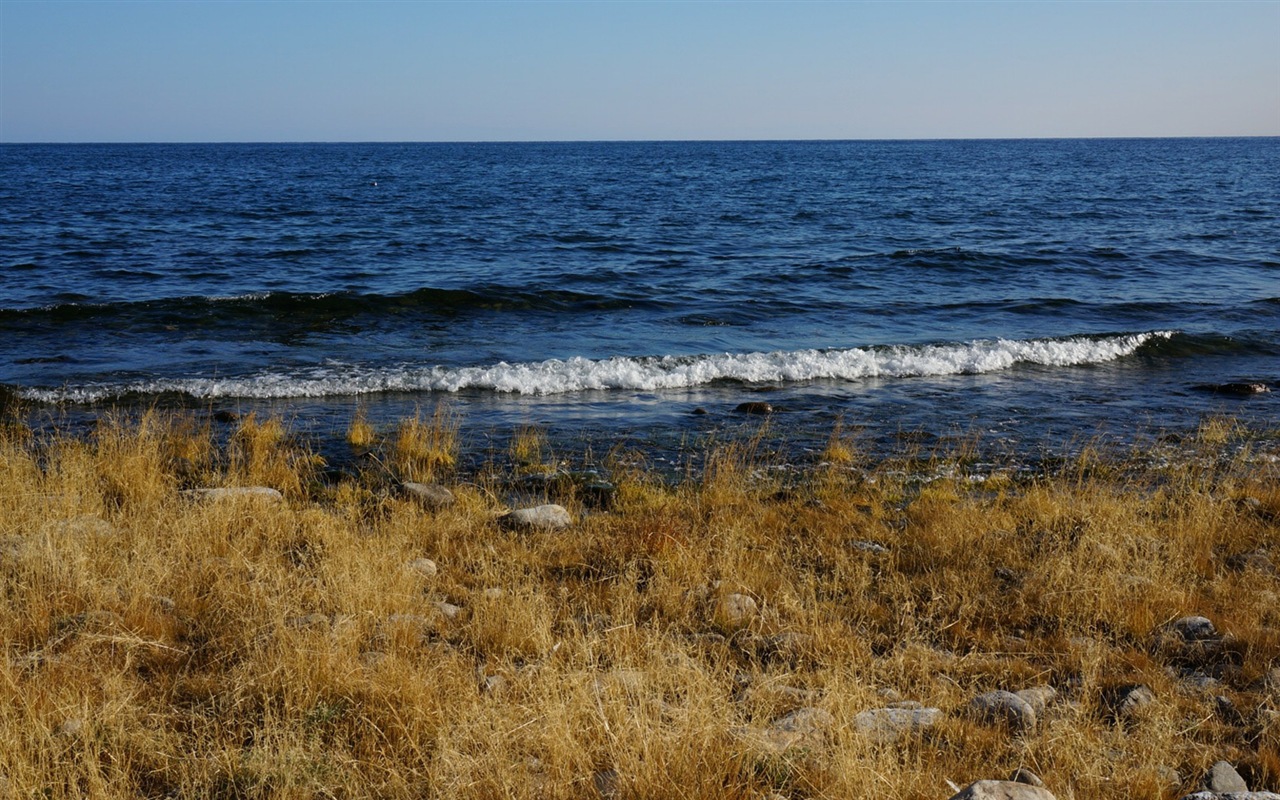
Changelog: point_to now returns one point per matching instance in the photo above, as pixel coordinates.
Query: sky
(302, 70)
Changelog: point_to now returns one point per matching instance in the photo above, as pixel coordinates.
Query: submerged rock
(1243, 389)
(754, 407)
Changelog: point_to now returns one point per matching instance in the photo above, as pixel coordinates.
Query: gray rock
(430, 495)
(70, 728)
(1223, 777)
(1003, 707)
(874, 548)
(1039, 698)
(308, 622)
(1024, 775)
(607, 783)
(549, 517)
(85, 526)
(235, 493)
(1254, 559)
(804, 720)
(1194, 628)
(1232, 795)
(1128, 702)
(892, 723)
(735, 609)
(448, 610)
(423, 566)
(1002, 790)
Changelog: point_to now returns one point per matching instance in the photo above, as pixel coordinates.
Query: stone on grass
(1223, 777)
(235, 493)
(1128, 702)
(1003, 707)
(1024, 775)
(83, 526)
(1233, 795)
(735, 609)
(430, 495)
(802, 728)
(1194, 628)
(448, 610)
(1038, 697)
(423, 566)
(1002, 790)
(549, 517)
(893, 723)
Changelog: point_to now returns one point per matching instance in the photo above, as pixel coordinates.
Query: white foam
(557, 376)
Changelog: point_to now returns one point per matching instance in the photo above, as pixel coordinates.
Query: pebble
(549, 517)
(1002, 790)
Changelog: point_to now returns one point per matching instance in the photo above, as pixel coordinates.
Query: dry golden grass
(160, 644)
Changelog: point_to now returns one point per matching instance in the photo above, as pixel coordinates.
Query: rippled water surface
(1025, 290)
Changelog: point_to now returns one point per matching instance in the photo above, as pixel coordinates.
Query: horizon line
(633, 141)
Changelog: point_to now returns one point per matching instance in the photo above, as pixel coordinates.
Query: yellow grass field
(346, 640)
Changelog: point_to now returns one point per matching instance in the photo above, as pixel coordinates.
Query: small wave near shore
(629, 373)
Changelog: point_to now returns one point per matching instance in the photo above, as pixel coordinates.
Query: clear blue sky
(529, 70)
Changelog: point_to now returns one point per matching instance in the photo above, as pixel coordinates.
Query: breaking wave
(556, 376)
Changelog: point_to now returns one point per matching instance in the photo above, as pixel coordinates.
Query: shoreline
(395, 630)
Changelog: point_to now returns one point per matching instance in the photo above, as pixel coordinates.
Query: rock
(448, 610)
(423, 566)
(1003, 707)
(1039, 698)
(1223, 777)
(1237, 389)
(1233, 795)
(84, 526)
(892, 723)
(234, 493)
(735, 609)
(1254, 559)
(874, 548)
(1194, 628)
(493, 684)
(549, 517)
(308, 622)
(1024, 775)
(1002, 790)
(1127, 702)
(1206, 795)
(804, 727)
(607, 784)
(699, 411)
(431, 495)
(71, 728)
(789, 647)
(754, 407)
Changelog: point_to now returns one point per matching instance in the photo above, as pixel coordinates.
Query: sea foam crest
(557, 376)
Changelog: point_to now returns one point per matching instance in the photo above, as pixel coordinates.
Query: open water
(1031, 292)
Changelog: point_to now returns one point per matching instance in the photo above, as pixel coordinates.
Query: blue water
(1030, 291)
